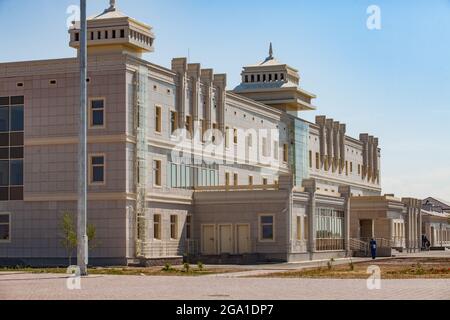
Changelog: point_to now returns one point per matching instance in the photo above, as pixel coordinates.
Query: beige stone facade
(180, 166)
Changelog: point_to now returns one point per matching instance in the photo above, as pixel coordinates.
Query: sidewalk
(266, 269)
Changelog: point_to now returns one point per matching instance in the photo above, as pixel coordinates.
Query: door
(208, 239)
(226, 239)
(433, 237)
(366, 229)
(243, 238)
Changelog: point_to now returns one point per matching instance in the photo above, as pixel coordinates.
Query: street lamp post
(82, 247)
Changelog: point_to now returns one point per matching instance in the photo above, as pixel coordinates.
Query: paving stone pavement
(26, 286)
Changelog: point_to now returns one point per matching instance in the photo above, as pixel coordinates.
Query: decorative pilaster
(346, 193)
(207, 76)
(179, 65)
(310, 188)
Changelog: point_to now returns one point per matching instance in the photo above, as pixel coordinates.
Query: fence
(164, 249)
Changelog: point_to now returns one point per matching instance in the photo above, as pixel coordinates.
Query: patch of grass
(167, 270)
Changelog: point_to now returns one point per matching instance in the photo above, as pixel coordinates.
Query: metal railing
(238, 188)
(164, 249)
(381, 242)
(357, 245)
(329, 244)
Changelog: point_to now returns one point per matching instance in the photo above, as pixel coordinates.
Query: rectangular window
(11, 147)
(188, 227)
(310, 159)
(236, 179)
(122, 33)
(299, 228)
(5, 227)
(227, 137)
(250, 140)
(114, 34)
(4, 119)
(264, 147)
(4, 173)
(158, 119)
(97, 170)
(346, 168)
(250, 180)
(189, 125)
(351, 167)
(157, 226)
(157, 173)
(265, 181)
(17, 118)
(266, 232)
(202, 130)
(285, 153)
(276, 150)
(227, 178)
(317, 161)
(173, 122)
(235, 136)
(173, 227)
(16, 173)
(97, 113)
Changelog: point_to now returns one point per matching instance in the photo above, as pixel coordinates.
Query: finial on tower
(270, 51)
(112, 5)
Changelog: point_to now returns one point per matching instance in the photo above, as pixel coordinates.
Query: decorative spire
(270, 51)
(112, 5)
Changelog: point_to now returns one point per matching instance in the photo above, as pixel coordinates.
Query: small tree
(69, 234)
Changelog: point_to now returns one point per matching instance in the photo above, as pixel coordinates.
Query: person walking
(373, 248)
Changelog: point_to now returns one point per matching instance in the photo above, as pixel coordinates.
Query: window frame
(260, 228)
(285, 153)
(9, 227)
(158, 119)
(91, 113)
(173, 126)
(227, 177)
(276, 149)
(189, 226)
(159, 227)
(159, 171)
(91, 169)
(174, 225)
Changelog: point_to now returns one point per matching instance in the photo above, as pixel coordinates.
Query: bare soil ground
(400, 268)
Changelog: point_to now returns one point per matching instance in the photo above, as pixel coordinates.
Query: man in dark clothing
(373, 248)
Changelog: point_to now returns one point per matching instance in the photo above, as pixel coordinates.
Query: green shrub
(186, 267)
(167, 267)
(200, 266)
(330, 264)
(351, 265)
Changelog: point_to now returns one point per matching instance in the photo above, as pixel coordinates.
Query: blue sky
(393, 83)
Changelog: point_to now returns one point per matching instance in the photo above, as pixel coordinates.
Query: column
(179, 65)
(346, 192)
(207, 80)
(310, 188)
